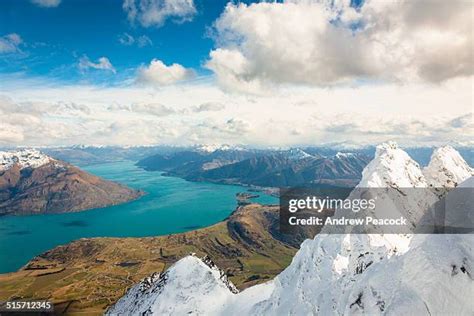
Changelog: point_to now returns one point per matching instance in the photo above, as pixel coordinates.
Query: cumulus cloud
(157, 73)
(155, 109)
(208, 107)
(10, 43)
(128, 40)
(103, 63)
(330, 42)
(463, 121)
(30, 123)
(46, 3)
(68, 108)
(41, 114)
(156, 12)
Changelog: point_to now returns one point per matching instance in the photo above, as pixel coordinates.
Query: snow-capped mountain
(25, 158)
(210, 148)
(341, 274)
(392, 166)
(298, 154)
(32, 182)
(447, 168)
(199, 282)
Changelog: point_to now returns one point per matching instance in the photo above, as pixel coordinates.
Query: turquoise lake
(172, 205)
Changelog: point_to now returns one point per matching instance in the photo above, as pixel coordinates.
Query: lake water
(172, 205)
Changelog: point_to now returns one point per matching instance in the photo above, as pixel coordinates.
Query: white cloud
(46, 3)
(128, 40)
(103, 63)
(39, 113)
(325, 43)
(208, 107)
(156, 12)
(143, 41)
(157, 73)
(154, 109)
(10, 43)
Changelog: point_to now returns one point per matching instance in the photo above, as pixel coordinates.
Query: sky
(286, 73)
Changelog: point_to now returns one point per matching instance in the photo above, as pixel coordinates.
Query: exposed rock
(34, 183)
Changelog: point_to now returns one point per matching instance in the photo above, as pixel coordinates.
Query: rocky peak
(190, 286)
(222, 275)
(25, 158)
(344, 155)
(298, 154)
(392, 167)
(447, 168)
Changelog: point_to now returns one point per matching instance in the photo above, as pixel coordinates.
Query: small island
(243, 198)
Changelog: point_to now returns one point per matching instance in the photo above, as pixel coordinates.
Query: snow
(344, 155)
(210, 148)
(190, 286)
(340, 264)
(446, 168)
(433, 278)
(341, 274)
(392, 167)
(25, 158)
(298, 154)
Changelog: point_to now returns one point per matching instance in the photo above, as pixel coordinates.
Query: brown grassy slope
(87, 275)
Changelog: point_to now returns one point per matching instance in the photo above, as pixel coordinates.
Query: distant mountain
(421, 155)
(33, 183)
(189, 163)
(290, 168)
(86, 155)
(266, 168)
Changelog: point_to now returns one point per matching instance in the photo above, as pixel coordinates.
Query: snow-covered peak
(191, 286)
(447, 168)
(392, 167)
(344, 155)
(210, 148)
(25, 158)
(298, 154)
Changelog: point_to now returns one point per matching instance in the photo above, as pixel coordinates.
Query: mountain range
(340, 274)
(293, 167)
(33, 183)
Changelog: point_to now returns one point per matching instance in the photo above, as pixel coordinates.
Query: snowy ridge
(210, 148)
(346, 155)
(446, 168)
(392, 167)
(298, 154)
(191, 286)
(350, 274)
(25, 158)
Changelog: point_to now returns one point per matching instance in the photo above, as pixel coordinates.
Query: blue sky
(56, 37)
(283, 73)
